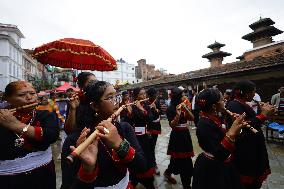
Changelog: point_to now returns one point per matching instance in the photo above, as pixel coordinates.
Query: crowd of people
(123, 151)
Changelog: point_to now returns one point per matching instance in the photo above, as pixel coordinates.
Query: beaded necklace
(19, 141)
(215, 119)
(107, 149)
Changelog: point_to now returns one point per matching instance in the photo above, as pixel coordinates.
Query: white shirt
(253, 103)
(193, 103)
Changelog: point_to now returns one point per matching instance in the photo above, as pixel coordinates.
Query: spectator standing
(194, 107)
(278, 100)
(254, 104)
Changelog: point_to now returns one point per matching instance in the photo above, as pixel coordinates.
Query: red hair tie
(201, 102)
(171, 95)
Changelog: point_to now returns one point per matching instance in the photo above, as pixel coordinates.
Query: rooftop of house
(11, 27)
(264, 61)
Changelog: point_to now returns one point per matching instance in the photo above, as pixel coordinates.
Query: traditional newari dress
(140, 120)
(84, 118)
(112, 171)
(214, 167)
(180, 146)
(28, 163)
(154, 127)
(124, 114)
(79, 112)
(251, 158)
(69, 171)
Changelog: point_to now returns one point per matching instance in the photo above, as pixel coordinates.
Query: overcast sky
(171, 34)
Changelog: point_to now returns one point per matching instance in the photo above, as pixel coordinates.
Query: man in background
(278, 100)
(194, 107)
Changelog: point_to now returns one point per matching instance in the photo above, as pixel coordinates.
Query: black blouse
(50, 133)
(210, 136)
(171, 113)
(238, 107)
(111, 172)
(251, 156)
(139, 118)
(156, 114)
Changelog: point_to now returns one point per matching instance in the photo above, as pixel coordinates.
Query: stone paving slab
(275, 152)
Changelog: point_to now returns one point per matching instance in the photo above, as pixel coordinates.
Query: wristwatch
(25, 129)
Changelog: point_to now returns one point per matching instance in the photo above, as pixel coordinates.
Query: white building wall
(3, 83)
(125, 73)
(11, 68)
(4, 32)
(15, 37)
(29, 67)
(4, 47)
(4, 78)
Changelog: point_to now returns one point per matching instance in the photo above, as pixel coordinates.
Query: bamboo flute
(13, 110)
(248, 126)
(91, 138)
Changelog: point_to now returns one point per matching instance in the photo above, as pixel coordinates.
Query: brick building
(147, 71)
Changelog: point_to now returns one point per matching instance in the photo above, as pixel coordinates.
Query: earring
(96, 114)
(215, 111)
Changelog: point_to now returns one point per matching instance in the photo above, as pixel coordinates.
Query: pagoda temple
(216, 57)
(263, 64)
(262, 32)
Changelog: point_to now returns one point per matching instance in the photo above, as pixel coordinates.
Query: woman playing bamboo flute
(180, 145)
(154, 127)
(25, 139)
(214, 168)
(76, 119)
(106, 162)
(140, 116)
(251, 155)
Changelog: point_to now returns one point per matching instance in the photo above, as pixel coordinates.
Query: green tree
(42, 84)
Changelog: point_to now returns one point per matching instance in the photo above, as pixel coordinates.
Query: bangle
(123, 148)
(230, 138)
